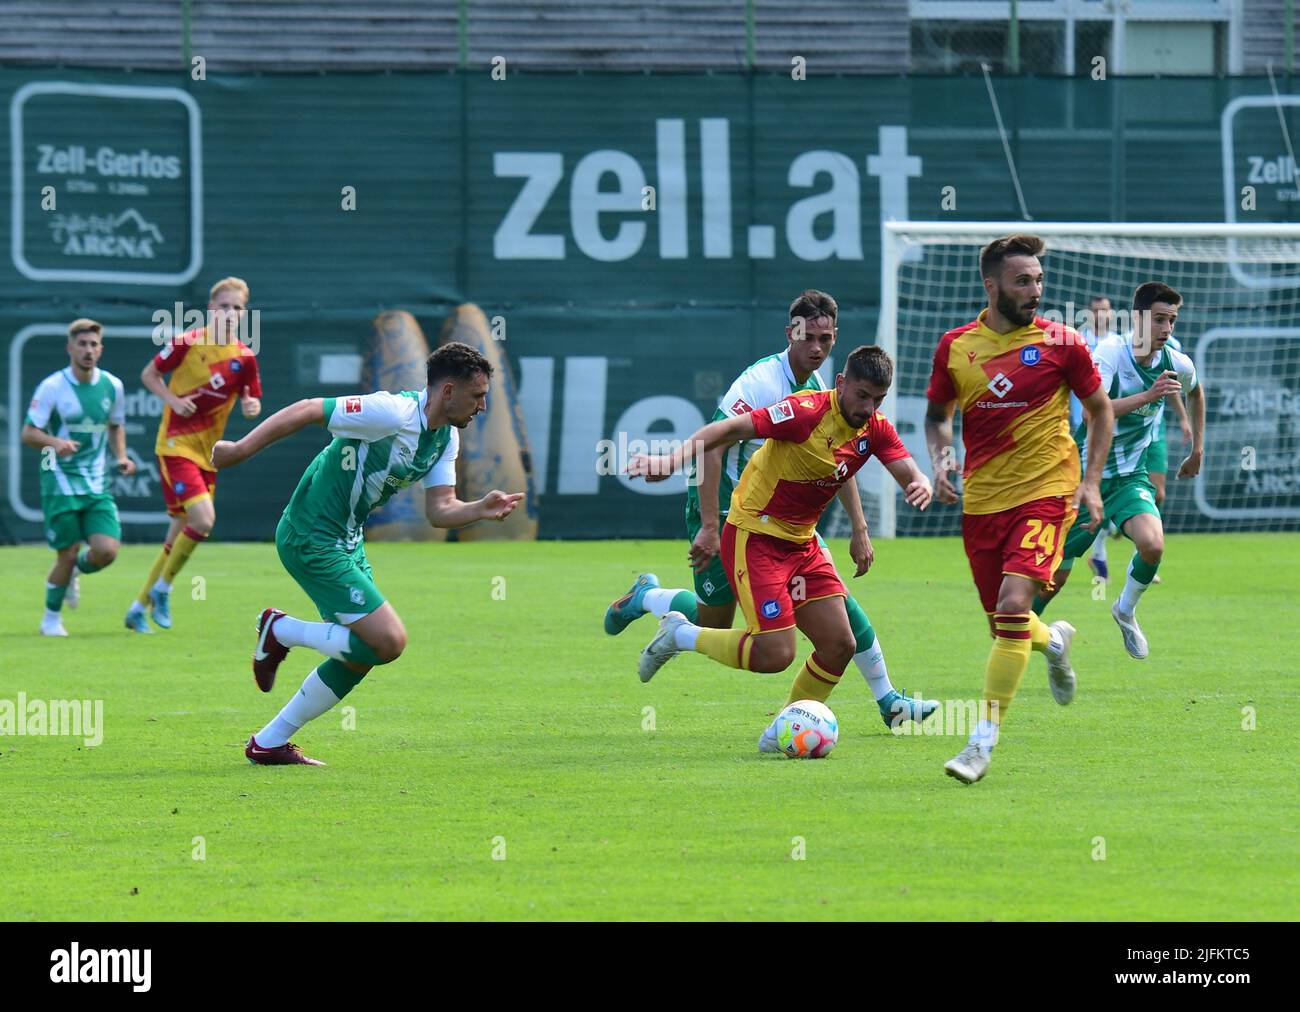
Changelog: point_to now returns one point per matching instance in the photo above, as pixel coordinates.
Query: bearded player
(1139, 373)
(810, 338)
(382, 443)
(782, 576)
(1011, 373)
(208, 368)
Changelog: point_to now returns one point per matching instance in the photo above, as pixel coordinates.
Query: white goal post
(1240, 322)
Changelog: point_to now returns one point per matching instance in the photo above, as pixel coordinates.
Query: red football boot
(270, 651)
(287, 754)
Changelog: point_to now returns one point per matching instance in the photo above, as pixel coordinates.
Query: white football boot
(663, 648)
(52, 625)
(1134, 642)
(1060, 676)
(970, 764)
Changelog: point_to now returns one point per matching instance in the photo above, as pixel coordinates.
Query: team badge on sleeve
(863, 445)
(351, 405)
(1029, 355)
(779, 412)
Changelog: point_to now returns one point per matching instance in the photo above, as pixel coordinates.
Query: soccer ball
(806, 729)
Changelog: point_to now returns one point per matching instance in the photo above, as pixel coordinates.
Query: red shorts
(1026, 540)
(184, 482)
(772, 576)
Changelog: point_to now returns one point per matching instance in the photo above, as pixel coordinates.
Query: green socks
(54, 595)
(84, 564)
(338, 676)
(685, 602)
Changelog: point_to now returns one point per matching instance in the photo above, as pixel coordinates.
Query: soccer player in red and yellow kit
(209, 367)
(1011, 372)
(783, 578)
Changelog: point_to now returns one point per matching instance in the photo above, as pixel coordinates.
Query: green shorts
(73, 518)
(1157, 459)
(340, 583)
(1122, 498)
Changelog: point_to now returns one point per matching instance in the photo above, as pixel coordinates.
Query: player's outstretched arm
(284, 422)
(1101, 429)
(443, 509)
(721, 433)
(912, 480)
(1191, 467)
(938, 439)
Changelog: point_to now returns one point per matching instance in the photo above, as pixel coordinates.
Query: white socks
(1128, 600)
(871, 662)
(658, 602)
(985, 735)
(308, 703)
(685, 635)
(328, 638)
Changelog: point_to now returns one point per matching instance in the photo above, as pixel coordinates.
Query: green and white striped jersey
(66, 408)
(382, 444)
(764, 383)
(1122, 376)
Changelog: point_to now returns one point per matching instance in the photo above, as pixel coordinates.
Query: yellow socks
(726, 646)
(1007, 661)
(155, 571)
(814, 681)
(1039, 634)
(181, 551)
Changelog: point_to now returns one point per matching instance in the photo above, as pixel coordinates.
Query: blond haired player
(208, 368)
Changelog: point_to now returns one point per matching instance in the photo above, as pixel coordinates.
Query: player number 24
(1040, 534)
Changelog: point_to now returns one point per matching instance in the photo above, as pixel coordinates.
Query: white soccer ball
(806, 729)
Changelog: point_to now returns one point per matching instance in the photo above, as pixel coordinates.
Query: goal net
(1239, 322)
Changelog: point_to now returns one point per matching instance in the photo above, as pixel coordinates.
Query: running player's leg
(103, 534)
(56, 584)
(135, 614)
(200, 517)
(1012, 554)
(1148, 536)
(760, 568)
(1077, 543)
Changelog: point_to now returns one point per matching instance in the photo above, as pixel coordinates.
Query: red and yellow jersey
(214, 373)
(810, 452)
(1013, 391)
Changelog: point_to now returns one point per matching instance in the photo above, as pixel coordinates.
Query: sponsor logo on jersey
(782, 411)
(771, 609)
(740, 407)
(1030, 355)
(1000, 385)
(351, 405)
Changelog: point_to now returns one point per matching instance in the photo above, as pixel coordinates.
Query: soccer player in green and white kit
(1138, 373)
(382, 443)
(75, 416)
(712, 605)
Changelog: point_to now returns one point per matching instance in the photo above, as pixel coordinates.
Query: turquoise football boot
(629, 607)
(897, 707)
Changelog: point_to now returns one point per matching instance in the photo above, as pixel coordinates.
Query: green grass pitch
(517, 729)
